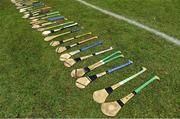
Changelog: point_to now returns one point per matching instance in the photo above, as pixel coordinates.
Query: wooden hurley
(55, 18)
(44, 26)
(49, 38)
(37, 26)
(70, 62)
(77, 73)
(45, 15)
(56, 43)
(112, 108)
(66, 56)
(85, 81)
(57, 25)
(45, 18)
(46, 33)
(62, 49)
(100, 95)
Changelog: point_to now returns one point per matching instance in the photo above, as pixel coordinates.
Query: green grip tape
(83, 35)
(112, 55)
(113, 58)
(53, 13)
(146, 83)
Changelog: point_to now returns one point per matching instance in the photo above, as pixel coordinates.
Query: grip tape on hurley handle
(113, 56)
(119, 67)
(91, 46)
(146, 84)
(56, 18)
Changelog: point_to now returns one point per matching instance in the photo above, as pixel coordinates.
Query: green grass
(33, 83)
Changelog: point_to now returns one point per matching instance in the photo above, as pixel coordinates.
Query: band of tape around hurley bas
(86, 69)
(92, 78)
(120, 103)
(77, 59)
(109, 90)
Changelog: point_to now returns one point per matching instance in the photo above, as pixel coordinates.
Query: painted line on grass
(135, 23)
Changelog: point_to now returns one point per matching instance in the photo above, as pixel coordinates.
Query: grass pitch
(34, 83)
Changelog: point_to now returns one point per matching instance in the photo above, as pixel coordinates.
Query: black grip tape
(86, 69)
(120, 103)
(77, 59)
(68, 47)
(94, 54)
(52, 31)
(61, 41)
(134, 92)
(93, 77)
(109, 90)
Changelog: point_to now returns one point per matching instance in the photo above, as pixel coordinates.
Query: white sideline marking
(120, 17)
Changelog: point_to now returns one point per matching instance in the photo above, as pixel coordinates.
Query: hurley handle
(47, 23)
(95, 54)
(146, 83)
(71, 25)
(103, 51)
(65, 33)
(91, 46)
(56, 18)
(75, 30)
(78, 36)
(83, 41)
(133, 76)
(38, 16)
(112, 57)
(50, 16)
(65, 23)
(119, 67)
(56, 12)
(128, 79)
(106, 58)
(68, 26)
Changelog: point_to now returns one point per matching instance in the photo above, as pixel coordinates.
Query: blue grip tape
(56, 18)
(91, 46)
(119, 67)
